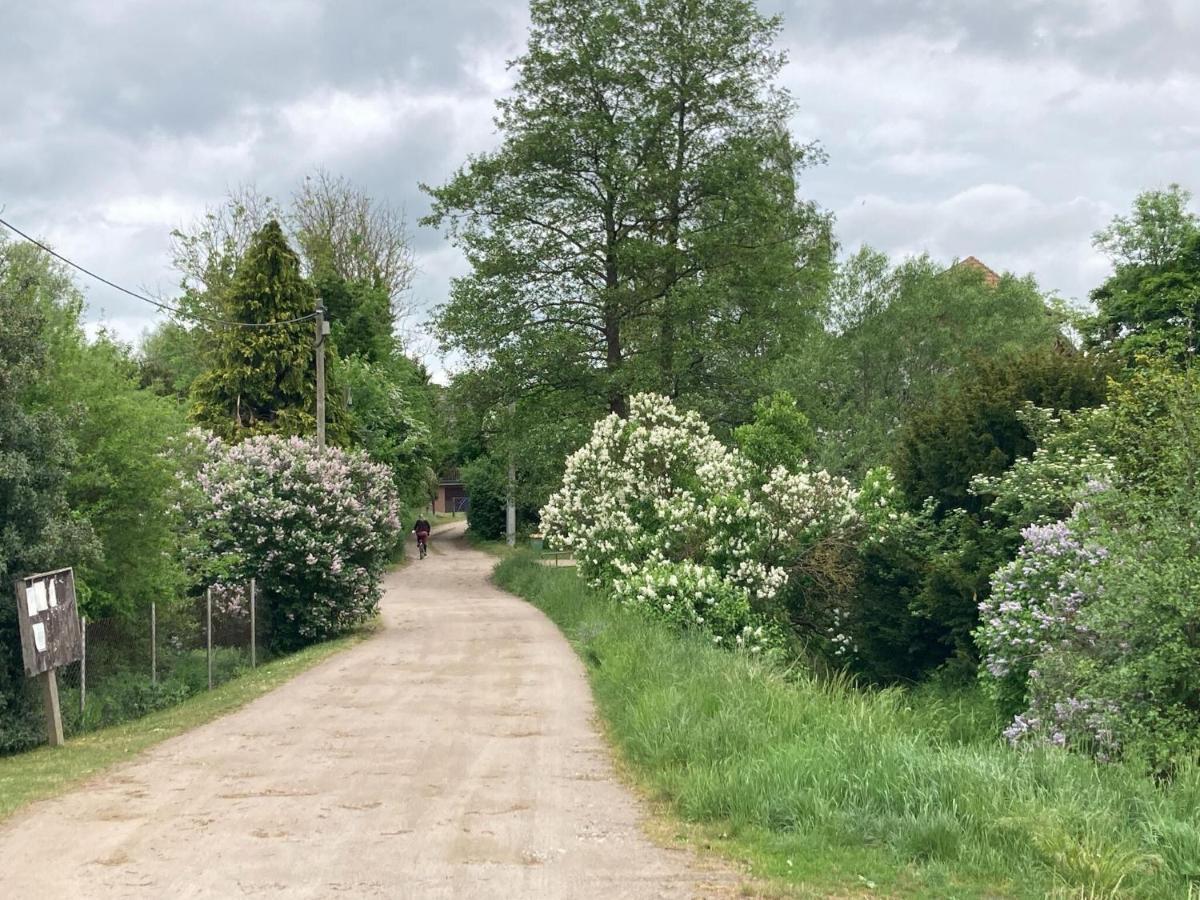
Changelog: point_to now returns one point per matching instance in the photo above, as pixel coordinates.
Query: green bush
(486, 479)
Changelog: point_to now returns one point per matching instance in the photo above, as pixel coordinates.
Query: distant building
(990, 278)
(451, 494)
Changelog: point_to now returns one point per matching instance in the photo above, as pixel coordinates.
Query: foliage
(169, 359)
(973, 427)
(38, 530)
(1034, 605)
(1107, 608)
(124, 480)
(655, 506)
(360, 316)
(638, 228)
(262, 379)
(895, 336)
(314, 528)
(1072, 459)
(820, 783)
(779, 435)
(385, 420)
(354, 237)
(1152, 300)
(486, 480)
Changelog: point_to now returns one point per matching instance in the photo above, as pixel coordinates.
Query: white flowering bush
(655, 507)
(1066, 467)
(316, 529)
(690, 595)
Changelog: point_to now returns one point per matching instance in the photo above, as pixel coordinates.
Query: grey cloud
(1005, 130)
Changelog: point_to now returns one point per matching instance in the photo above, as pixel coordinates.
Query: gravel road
(451, 755)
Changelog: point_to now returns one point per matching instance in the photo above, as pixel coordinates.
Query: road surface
(451, 755)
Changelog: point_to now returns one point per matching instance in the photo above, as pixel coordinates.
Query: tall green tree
(639, 226)
(1151, 302)
(262, 379)
(896, 335)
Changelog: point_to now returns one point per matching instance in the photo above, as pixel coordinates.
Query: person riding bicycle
(422, 530)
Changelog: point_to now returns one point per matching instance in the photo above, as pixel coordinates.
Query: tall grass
(908, 793)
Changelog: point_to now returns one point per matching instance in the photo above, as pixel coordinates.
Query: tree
(1151, 302)
(123, 481)
(639, 226)
(780, 434)
(355, 236)
(262, 379)
(896, 335)
(37, 528)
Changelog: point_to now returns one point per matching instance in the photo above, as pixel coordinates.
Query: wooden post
(54, 729)
(153, 642)
(253, 626)
(208, 618)
(510, 513)
(82, 665)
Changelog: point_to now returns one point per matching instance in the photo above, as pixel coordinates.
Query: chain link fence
(131, 667)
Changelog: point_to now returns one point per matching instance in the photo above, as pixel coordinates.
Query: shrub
(1034, 605)
(1123, 679)
(315, 528)
(656, 507)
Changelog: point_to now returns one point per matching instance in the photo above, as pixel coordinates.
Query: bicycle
(422, 544)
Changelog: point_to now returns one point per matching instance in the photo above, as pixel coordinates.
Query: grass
(836, 790)
(47, 772)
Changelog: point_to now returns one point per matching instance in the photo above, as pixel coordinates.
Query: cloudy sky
(1006, 129)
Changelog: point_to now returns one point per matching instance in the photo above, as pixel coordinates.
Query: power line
(196, 317)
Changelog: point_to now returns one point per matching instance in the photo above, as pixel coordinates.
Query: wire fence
(134, 666)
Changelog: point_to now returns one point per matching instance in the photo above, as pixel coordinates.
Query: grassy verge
(47, 772)
(845, 792)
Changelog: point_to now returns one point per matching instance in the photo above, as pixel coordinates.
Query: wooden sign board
(49, 621)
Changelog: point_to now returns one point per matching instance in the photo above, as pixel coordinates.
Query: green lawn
(43, 773)
(839, 791)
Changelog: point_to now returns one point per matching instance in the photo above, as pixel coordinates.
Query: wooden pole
(510, 513)
(320, 349)
(253, 627)
(208, 617)
(54, 729)
(154, 642)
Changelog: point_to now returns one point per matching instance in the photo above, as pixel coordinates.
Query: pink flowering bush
(316, 530)
(1034, 605)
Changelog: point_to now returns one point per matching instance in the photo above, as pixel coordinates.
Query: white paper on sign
(39, 596)
(52, 589)
(39, 637)
(30, 601)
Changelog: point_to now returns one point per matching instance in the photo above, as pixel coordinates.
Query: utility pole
(322, 331)
(510, 519)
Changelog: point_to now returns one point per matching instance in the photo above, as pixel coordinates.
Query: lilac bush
(316, 529)
(1034, 605)
(657, 508)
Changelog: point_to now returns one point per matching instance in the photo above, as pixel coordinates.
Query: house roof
(989, 276)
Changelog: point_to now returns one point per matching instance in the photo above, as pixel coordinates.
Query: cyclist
(422, 530)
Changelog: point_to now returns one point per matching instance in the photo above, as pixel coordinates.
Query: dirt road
(452, 755)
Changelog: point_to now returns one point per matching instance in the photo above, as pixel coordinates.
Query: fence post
(153, 642)
(254, 624)
(208, 617)
(82, 666)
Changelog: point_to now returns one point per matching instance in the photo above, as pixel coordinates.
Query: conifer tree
(261, 380)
